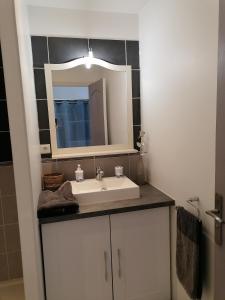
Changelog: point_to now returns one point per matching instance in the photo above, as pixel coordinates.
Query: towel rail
(191, 202)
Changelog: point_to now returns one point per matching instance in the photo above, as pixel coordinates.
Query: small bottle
(118, 171)
(79, 174)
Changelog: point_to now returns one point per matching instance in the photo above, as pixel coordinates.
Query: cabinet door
(77, 259)
(141, 255)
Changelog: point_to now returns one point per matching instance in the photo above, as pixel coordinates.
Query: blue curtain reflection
(73, 128)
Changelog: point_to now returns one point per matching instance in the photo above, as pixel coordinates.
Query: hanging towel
(188, 252)
(57, 203)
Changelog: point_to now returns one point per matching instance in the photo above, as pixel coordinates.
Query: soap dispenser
(79, 174)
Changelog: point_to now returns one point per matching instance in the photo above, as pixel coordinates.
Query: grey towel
(57, 203)
(188, 253)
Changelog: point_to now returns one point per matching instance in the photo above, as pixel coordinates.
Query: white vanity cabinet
(125, 256)
(141, 255)
(77, 259)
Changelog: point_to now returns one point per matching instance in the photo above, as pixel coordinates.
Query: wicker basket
(53, 181)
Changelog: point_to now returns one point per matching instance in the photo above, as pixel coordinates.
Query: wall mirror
(90, 108)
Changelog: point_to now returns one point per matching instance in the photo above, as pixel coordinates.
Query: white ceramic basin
(91, 191)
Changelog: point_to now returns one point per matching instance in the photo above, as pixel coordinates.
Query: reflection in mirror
(90, 106)
(72, 116)
(80, 115)
(90, 110)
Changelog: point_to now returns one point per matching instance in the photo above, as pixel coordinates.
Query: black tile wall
(5, 143)
(40, 51)
(4, 123)
(133, 54)
(61, 50)
(136, 112)
(136, 83)
(40, 88)
(1, 64)
(42, 114)
(5, 148)
(2, 84)
(44, 136)
(111, 51)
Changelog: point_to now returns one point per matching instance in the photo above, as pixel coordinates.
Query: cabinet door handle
(106, 269)
(119, 263)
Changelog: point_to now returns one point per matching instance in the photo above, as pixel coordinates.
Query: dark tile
(1, 212)
(136, 84)
(108, 164)
(50, 167)
(87, 164)
(42, 107)
(12, 237)
(3, 267)
(9, 207)
(15, 265)
(7, 183)
(133, 161)
(133, 54)
(40, 87)
(111, 51)
(1, 64)
(62, 50)
(44, 136)
(2, 240)
(68, 167)
(40, 50)
(2, 85)
(136, 130)
(136, 112)
(5, 149)
(4, 122)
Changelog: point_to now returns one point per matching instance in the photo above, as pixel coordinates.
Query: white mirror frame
(89, 150)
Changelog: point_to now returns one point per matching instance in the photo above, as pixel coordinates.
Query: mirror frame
(89, 150)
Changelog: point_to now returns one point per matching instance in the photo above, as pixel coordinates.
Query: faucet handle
(99, 173)
(99, 170)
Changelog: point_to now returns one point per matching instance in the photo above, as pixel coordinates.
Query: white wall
(74, 23)
(118, 6)
(70, 93)
(178, 46)
(17, 60)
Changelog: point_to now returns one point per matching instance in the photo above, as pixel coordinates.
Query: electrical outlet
(45, 149)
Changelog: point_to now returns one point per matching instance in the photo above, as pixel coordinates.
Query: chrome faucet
(99, 173)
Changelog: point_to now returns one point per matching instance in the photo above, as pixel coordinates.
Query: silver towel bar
(191, 202)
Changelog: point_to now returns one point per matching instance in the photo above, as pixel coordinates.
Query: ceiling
(119, 6)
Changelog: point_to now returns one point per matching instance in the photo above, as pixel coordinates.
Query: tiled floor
(12, 290)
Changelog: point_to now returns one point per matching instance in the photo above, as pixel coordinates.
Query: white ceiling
(119, 6)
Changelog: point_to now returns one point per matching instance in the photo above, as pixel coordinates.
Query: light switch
(45, 149)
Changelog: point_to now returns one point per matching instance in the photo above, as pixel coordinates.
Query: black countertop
(150, 198)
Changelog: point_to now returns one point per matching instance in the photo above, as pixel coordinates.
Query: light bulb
(90, 53)
(88, 59)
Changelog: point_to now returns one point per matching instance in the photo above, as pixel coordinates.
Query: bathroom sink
(92, 191)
